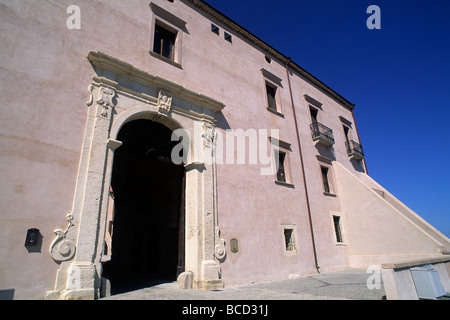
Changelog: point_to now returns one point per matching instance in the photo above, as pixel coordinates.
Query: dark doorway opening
(148, 189)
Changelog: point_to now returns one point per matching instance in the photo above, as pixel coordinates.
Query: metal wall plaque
(234, 245)
(32, 237)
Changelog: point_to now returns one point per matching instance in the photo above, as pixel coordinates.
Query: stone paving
(342, 285)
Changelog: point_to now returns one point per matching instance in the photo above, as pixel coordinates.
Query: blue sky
(398, 77)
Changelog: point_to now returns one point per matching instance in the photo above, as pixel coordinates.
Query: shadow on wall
(222, 122)
(358, 165)
(7, 294)
(327, 152)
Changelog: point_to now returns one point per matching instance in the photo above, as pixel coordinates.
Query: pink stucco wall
(44, 78)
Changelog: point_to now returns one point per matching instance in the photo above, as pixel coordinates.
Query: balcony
(322, 134)
(354, 150)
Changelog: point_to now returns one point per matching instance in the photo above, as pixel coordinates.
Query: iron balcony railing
(354, 149)
(321, 133)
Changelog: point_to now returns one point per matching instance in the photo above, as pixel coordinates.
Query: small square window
(228, 37)
(214, 29)
(338, 229)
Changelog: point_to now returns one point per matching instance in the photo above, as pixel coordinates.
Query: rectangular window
(289, 234)
(273, 91)
(166, 36)
(326, 183)
(337, 229)
(280, 162)
(346, 132)
(289, 240)
(314, 113)
(281, 173)
(164, 42)
(271, 96)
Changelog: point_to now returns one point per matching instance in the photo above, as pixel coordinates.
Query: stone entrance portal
(123, 99)
(147, 229)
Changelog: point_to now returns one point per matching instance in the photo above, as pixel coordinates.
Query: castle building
(156, 141)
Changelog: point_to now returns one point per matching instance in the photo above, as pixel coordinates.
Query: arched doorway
(149, 213)
(114, 102)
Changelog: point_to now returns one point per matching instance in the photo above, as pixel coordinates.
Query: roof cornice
(244, 33)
